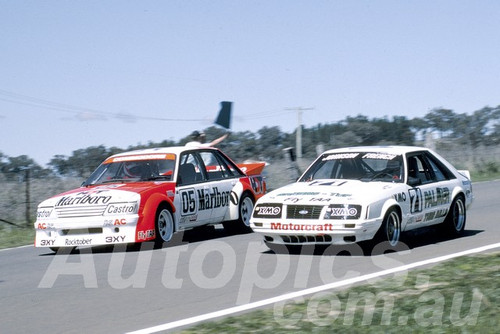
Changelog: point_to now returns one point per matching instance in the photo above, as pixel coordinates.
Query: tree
(83, 162)
(440, 120)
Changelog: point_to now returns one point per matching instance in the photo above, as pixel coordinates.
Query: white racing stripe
(292, 295)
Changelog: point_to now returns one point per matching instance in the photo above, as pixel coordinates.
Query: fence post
(27, 181)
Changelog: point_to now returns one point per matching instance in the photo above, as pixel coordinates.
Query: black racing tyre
(283, 249)
(454, 223)
(164, 225)
(245, 209)
(390, 230)
(62, 250)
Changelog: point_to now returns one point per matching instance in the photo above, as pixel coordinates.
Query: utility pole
(298, 138)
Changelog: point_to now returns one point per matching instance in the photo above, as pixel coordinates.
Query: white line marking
(292, 295)
(6, 249)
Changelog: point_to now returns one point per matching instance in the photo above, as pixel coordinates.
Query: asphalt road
(116, 290)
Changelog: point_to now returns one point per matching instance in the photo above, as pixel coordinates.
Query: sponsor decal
(121, 208)
(327, 183)
(42, 226)
(428, 199)
(340, 195)
(84, 198)
(193, 200)
(268, 211)
(114, 239)
(119, 222)
(339, 211)
(320, 199)
(43, 213)
(302, 227)
(47, 243)
(188, 219)
(401, 197)
(304, 193)
(379, 156)
(257, 184)
(147, 234)
(292, 199)
(145, 157)
(77, 242)
(340, 156)
(439, 196)
(213, 199)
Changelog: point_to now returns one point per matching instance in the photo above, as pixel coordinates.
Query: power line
(36, 102)
(62, 107)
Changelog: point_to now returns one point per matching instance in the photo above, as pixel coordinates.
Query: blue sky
(75, 74)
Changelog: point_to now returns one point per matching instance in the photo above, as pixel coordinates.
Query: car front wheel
(164, 225)
(245, 209)
(390, 230)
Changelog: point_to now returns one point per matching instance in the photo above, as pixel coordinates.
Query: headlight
(343, 211)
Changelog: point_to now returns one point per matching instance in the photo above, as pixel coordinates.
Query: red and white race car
(149, 195)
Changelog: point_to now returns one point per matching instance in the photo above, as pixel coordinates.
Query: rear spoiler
(254, 168)
(465, 173)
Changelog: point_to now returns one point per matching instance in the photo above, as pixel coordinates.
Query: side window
(438, 174)
(418, 170)
(441, 172)
(215, 167)
(191, 170)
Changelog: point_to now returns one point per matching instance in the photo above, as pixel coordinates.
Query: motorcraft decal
(302, 227)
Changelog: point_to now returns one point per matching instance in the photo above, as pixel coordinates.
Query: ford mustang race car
(365, 193)
(149, 195)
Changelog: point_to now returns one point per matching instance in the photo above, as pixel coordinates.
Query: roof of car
(395, 149)
(162, 150)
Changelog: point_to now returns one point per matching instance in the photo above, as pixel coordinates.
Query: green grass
(484, 176)
(458, 296)
(15, 236)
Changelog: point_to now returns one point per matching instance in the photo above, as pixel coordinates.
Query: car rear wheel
(245, 209)
(164, 225)
(454, 223)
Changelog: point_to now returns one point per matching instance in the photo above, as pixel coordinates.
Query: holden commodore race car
(149, 195)
(357, 194)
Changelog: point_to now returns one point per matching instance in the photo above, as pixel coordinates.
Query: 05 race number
(188, 200)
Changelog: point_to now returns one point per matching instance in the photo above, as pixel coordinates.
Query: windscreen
(157, 167)
(364, 166)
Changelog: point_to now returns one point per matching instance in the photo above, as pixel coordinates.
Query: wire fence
(20, 198)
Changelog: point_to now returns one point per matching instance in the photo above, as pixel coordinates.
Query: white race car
(354, 194)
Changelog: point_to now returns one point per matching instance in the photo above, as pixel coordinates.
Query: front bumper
(85, 231)
(323, 232)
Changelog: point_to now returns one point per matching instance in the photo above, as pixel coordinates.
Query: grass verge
(458, 296)
(13, 237)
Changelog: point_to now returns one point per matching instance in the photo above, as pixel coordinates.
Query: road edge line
(301, 293)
